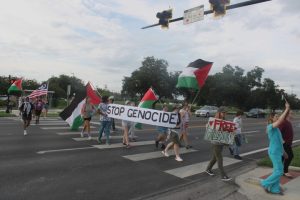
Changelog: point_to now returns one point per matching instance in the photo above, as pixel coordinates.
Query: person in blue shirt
(275, 151)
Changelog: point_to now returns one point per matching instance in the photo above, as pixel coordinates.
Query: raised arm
(282, 116)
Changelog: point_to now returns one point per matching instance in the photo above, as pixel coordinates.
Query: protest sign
(218, 130)
(142, 115)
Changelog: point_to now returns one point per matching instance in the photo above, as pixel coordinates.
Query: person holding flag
(87, 111)
(27, 108)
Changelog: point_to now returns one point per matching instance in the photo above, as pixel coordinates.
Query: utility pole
(8, 100)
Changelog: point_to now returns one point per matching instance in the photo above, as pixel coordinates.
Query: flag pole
(196, 96)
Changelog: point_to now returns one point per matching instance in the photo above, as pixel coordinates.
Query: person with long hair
(27, 107)
(185, 114)
(87, 112)
(275, 151)
(217, 148)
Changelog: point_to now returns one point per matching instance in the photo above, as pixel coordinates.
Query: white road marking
(118, 145)
(54, 128)
(197, 168)
(156, 154)
(96, 138)
(61, 150)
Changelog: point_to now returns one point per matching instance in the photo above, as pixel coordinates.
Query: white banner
(218, 130)
(142, 115)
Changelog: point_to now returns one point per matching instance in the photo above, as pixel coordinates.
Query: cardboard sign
(143, 115)
(221, 131)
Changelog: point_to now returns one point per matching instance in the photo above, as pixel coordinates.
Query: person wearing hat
(111, 99)
(217, 148)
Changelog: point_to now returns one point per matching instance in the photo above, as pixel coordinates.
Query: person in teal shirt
(275, 151)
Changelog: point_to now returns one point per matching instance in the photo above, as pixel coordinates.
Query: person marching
(174, 139)
(126, 126)
(287, 133)
(87, 112)
(27, 108)
(38, 107)
(105, 121)
(185, 114)
(275, 151)
(234, 149)
(111, 99)
(131, 131)
(46, 108)
(162, 133)
(217, 148)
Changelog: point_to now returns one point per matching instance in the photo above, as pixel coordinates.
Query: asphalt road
(53, 163)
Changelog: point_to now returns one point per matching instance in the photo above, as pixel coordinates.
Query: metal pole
(238, 5)
(8, 100)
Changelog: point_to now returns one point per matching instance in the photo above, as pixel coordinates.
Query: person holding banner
(275, 151)
(174, 139)
(162, 133)
(87, 112)
(217, 149)
(185, 114)
(126, 126)
(111, 99)
(131, 131)
(104, 120)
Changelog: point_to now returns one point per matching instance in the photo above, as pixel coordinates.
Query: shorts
(184, 126)
(174, 137)
(87, 118)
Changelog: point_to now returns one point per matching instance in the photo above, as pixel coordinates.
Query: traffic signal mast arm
(238, 5)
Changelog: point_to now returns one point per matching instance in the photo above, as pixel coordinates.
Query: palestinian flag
(16, 87)
(72, 113)
(147, 102)
(194, 75)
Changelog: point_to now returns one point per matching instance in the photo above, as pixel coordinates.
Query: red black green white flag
(72, 113)
(194, 75)
(16, 87)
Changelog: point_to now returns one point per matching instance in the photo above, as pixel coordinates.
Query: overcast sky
(101, 40)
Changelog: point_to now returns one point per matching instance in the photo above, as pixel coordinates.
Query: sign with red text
(193, 15)
(218, 130)
(142, 115)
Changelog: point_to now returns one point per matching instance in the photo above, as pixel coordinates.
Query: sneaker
(165, 153)
(225, 178)
(128, 146)
(178, 159)
(81, 134)
(288, 175)
(25, 132)
(89, 138)
(238, 157)
(209, 172)
(188, 146)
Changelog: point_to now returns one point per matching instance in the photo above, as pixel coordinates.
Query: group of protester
(32, 108)
(279, 130)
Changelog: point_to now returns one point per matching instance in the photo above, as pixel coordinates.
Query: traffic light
(164, 18)
(219, 7)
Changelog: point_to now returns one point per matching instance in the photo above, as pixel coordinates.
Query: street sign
(193, 15)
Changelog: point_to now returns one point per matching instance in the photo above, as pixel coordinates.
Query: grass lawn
(4, 114)
(295, 162)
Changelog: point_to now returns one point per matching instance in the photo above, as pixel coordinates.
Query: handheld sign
(218, 130)
(142, 115)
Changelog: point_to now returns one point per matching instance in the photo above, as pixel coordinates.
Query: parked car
(256, 113)
(206, 111)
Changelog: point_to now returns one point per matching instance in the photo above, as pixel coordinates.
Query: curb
(294, 168)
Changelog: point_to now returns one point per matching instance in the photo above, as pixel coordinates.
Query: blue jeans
(104, 127)
(236, 147)
(272, 183)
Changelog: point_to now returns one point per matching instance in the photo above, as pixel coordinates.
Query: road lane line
(118, 145)
(190, 170)
(54, 128)
(96, 138)
(62, 150)
(156, 154)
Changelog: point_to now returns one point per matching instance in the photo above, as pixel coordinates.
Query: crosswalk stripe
(155, 154)
(74, 133)
(49, 124)
(190, 170)
(118, 145)
(96, 138)
(53, 128)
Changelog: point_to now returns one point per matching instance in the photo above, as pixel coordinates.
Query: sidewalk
(250, 184)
